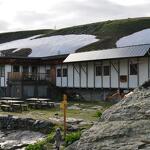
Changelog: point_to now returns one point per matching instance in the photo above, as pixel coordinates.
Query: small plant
(50, 138)
(72, 137)
(98, 114)
(36, 146)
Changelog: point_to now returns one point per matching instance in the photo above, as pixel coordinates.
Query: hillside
(11, 36)
(101, 35)
(108, 31)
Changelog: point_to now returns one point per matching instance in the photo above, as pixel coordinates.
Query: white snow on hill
(50, 46)
(137, 38)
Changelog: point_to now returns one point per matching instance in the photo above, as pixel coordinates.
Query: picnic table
(40, 102)
(13, 105)
(10, 98)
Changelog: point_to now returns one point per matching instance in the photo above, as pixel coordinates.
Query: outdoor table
(10, 98)
(39, 102)
(12, 102)
(14, 105)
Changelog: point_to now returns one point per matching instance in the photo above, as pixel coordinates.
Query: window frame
(134, 69)
(64, 72)
(59, 72)
(106, 72)
(98, 70)
(2, 70)
(17, 68)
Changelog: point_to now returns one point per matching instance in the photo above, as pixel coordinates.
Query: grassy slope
(10, 36)
(109, 31)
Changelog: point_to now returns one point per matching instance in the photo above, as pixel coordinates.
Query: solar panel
(123, 52)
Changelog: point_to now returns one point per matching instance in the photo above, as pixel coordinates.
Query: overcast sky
(39, 14)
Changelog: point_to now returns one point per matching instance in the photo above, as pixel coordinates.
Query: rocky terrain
(16, 133)
(18, 139)
(9, 122)
(125, 126)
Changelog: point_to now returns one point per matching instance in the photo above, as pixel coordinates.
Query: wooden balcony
(18, 76)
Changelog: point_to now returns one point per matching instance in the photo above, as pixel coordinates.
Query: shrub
(98, 114)
(72, 137)
(50, 138)
(36, 146)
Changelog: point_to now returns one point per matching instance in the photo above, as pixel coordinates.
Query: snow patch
(137, 38)
(50, 46)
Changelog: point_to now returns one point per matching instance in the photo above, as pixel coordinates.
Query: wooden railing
(18, 76)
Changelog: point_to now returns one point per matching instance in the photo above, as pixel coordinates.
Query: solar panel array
(123, 52)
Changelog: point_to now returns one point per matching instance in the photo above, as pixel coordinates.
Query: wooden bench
(51, 104)
(6, 107)
(16, 107)
(32, 105)
(24, 107)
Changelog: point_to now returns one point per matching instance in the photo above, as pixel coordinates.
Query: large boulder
(125, 126)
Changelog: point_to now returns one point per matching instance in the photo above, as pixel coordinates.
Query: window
(25, 69)
(98, 70)
(65, 72)
(133, 69)
(106, 70)
(58, 72)
(123, 78)
(2, 71)
(16, 68)
(34, 69)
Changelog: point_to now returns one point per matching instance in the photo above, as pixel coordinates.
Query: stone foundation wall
(91, 94)
(15, 123)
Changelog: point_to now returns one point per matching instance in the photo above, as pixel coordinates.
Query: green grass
(85, 113)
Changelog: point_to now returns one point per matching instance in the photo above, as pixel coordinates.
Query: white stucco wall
(108, 81)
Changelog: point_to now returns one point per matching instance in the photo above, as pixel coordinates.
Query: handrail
(18, 76)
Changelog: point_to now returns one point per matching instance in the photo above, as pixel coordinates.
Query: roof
(122, 52)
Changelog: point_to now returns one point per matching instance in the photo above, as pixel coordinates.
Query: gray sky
(38, 14)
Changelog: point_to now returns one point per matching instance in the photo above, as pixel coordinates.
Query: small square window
(133, 69)
(123, 78)
(16, 68)
(58, 72)
(65, 72)
(98, 70)
(106, 70)
(2, 71)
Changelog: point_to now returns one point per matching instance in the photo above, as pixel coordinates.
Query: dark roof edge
(36, 58)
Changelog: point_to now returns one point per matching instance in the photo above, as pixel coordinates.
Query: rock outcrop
(125, 126)
(18, 139)
(16, 123)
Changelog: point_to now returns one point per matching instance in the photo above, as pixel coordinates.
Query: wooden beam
(83, 69)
